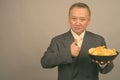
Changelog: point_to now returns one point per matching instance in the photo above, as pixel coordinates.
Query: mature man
(69, 51)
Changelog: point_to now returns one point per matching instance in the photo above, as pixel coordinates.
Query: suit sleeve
(108, 67)
(56, 54)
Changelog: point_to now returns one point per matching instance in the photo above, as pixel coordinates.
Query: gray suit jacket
(74, 68)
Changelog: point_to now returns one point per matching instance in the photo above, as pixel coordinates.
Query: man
(69, 51)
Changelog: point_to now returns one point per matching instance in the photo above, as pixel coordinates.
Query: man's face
(79, 19)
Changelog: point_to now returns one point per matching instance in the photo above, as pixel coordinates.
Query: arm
(56, 54)
(105, 67)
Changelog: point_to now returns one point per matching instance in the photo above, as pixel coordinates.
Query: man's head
(79, 17)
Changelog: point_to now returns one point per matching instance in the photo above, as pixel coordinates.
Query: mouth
(77, 28)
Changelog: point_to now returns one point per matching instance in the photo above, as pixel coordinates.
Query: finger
(75, 42)
(108, 62)
(104, 62)
(95, 61)
(101, 62)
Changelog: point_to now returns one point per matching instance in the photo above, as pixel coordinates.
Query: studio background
(27, 27)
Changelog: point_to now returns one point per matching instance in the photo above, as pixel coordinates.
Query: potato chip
(102, 51)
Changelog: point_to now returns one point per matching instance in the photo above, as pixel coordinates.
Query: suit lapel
(85, 43)
(68, 39)
(83, 56)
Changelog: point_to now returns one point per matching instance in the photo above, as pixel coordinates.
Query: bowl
(103, 58)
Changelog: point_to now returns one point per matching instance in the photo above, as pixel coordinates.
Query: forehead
(79, 11)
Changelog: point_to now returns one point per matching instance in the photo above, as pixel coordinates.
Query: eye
(74, 18)
(82, 19)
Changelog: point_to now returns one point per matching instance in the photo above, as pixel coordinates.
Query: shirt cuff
(103, 65)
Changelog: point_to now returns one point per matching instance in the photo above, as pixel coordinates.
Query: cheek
(72, 22)
(86, 23)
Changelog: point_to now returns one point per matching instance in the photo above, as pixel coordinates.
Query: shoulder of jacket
(61, 36)
(93, 34)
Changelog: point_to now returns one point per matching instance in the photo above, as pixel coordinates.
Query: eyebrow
(79, 17)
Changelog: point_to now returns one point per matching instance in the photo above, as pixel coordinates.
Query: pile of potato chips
(102, 51)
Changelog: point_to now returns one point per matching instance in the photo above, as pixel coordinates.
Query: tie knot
(79, 41)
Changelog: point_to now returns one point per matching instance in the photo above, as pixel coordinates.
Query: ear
(89, 21)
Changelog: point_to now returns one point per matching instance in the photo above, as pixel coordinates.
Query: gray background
(27, 26)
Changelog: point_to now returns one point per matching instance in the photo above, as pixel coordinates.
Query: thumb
(75, 42)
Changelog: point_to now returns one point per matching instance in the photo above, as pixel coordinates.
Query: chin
(78, 33)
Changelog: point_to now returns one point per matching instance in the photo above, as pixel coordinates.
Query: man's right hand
(75, 49)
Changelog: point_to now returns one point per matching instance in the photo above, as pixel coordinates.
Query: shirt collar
(81, 36)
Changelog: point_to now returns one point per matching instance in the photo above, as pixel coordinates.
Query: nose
(78, 22)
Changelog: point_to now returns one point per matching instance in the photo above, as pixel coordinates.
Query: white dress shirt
(78, 37)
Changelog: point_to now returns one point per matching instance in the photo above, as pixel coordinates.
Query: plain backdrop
(27, 27)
